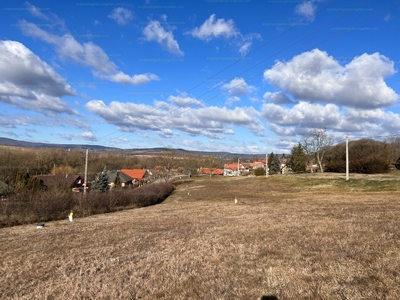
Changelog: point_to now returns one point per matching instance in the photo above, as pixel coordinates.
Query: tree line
(369, 156)
(17, 162)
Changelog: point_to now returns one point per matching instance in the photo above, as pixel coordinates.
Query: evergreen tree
(274, 163)
(100, 182)
(298, 159)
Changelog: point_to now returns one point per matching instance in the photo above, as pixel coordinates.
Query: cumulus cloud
(123, 78)
(317, 77)
(306, 9)
(155, 32)
(307, 114)
(121, 15)
(232, 100)
(88, 136)
(86, 54)
(205, 121)
(276, 98)
(213, 28)
(184, 101)
(238, 87)
(297, 120)
(30, 83)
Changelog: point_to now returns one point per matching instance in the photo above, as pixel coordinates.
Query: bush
(365, 156)
(259, 172)
(397, 164)
(29, 207)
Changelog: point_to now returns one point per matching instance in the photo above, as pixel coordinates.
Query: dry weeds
(293, 238)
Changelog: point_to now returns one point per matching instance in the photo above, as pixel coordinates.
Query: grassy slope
(294, 237)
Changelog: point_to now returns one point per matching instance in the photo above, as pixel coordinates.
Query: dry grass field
(289, 237)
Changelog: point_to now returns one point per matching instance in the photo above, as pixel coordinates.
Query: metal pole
(347, 158)
(86, 162)
(266, 165)
(238, 167)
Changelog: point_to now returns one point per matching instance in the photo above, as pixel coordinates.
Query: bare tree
(394, 147)
(316, 143)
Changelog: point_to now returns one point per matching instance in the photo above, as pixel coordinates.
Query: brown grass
(293, 238)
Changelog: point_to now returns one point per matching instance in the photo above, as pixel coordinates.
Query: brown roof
(61, 180)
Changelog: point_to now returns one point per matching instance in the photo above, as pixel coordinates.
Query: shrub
(397, 164)
(43, 206)
(365, 156)
(259, 172)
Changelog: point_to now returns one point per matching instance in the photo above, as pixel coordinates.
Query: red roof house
(139, 176)
(210, 171)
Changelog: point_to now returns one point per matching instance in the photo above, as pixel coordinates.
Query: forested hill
(141, 151)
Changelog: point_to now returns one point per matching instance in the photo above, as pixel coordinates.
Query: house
(233, 169)
(258, 165)
(63, 182)
(139, 176)
(210, 171)
(117, 177)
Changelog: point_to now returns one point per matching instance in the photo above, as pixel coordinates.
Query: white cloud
(276, 98)
(246, 42)
(232, 100)
(121, 15)
(51, 18)
(185, 101)
(219, 28)
(238, 87)
(22, 70)
(28, 82)
(309, 115)
(87, 54)
(123, 78)
(213, 28)
(88, 136)
(155, 32)
(36, 12)
(205, 121)
(306, 9)
(303, 116)
(316, 77)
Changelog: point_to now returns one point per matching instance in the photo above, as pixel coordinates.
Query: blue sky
(243, 76)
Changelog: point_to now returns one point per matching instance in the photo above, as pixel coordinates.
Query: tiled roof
(135, 173)
(233, 166)
(209, 171)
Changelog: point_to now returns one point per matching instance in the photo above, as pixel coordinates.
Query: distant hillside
(16, 143)
(145, 151)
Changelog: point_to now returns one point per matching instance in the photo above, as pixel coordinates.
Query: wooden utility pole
(86, 163)
(347, 158)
